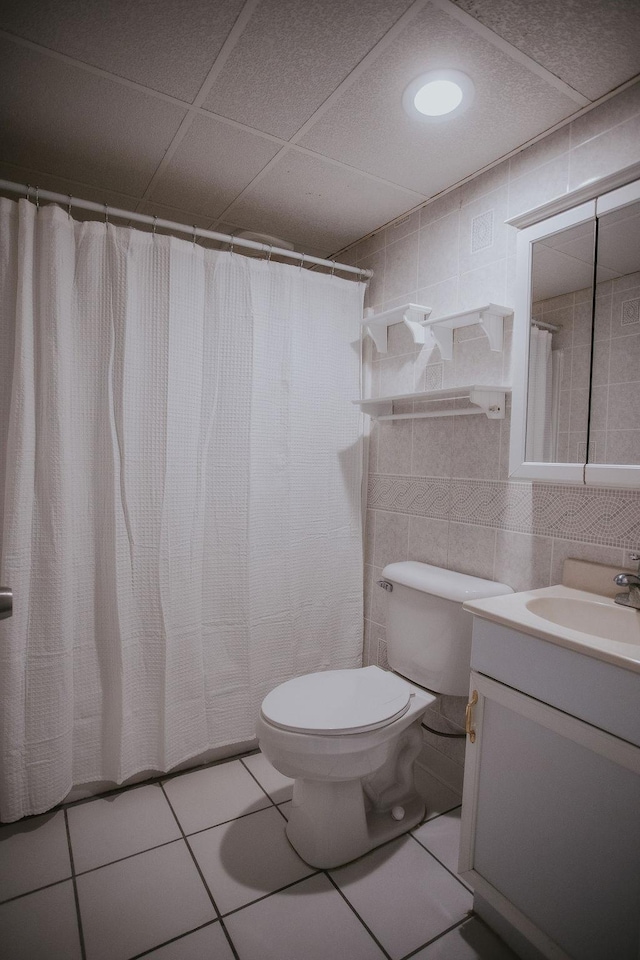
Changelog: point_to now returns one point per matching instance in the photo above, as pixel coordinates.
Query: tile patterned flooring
(197, 867)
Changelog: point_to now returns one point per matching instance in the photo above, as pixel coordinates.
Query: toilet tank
(428, 632)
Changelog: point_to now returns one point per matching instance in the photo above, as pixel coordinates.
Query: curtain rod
(69, 201)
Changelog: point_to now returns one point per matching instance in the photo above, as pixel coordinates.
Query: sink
(599, 618)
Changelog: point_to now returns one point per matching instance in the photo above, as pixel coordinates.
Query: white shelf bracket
(411, 314)
(493, 402)
(443, 336)
(412, 317)
(493, 326)
(378, 333)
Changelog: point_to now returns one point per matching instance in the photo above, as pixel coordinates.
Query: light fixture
(438, 95)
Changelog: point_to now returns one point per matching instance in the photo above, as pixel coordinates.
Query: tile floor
(198, 867)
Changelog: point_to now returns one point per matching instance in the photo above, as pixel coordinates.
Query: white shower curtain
(180, 485)
(541, 422)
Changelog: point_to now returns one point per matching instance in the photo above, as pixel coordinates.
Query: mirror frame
(591, 474)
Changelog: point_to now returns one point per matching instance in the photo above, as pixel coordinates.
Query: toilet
(349, 738)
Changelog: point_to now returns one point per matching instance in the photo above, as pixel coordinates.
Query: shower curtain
(541, 399)
(180, 489)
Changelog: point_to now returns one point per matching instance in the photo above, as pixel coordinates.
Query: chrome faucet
(631, 580)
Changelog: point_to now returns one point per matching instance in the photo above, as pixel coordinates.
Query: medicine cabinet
(576, 359)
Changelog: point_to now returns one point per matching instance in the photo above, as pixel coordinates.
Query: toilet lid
(338, 701)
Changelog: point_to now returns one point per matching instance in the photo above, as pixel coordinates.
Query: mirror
(560, 345)
(614, 435)
(576, 360)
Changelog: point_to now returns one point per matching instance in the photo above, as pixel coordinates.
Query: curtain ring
(69, 206)
(302, 260)
(26, 196)
(193, 239)
(155, 220)
(106, 215)
(37, 198)
(231, 246)
(269, 254)
(333, 268)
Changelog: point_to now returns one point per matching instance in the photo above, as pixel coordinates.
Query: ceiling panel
(69, 123)
(67, 187)
(367, 127)
(168, 45)
(212, 165)
(292, 56)
(306, 199)
(594, 46)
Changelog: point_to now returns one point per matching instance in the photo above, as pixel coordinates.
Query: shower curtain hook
(333, 268)
(193, 238)
(155, 220)
(231, 246)
(302, 260)
(106, 215)
(69, 206)
(269, 254)
(26, 196)
(37, 198)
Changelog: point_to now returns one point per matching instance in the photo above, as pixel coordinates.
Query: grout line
(129, 856)
(438, 860)
(159, 779)
(354, 911)
(266, 896)
(180, 936)
(83, 951)
(19, 896)
(428, 943)
(264, 790)
(202, 877)
(184, 838)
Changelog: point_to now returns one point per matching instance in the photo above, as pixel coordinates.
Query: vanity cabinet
(551, 808)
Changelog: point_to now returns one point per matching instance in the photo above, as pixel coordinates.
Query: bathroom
(109, 126)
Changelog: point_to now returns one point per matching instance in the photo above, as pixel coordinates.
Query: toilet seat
(338, 702)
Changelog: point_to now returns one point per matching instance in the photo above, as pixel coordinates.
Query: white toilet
(349, 738)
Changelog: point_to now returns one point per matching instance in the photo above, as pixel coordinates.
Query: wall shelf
(439, 330)
(487, 399)
(411, 314)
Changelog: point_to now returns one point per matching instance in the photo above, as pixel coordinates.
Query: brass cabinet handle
(468, 716)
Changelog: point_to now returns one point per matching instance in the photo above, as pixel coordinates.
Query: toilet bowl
(349, 738)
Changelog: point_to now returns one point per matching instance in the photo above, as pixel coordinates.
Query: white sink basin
(578, 619)
(604, 619)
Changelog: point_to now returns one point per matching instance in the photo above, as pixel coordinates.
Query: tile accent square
(120, 825)
(33, 853)
(41, 925)
(139, 903)
(247, 858)
(482, 231)
(309, 920)
(279, 787)
(208, 797)
(630, 312)
(426, 899)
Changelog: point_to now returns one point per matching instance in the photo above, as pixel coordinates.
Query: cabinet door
(551, 826)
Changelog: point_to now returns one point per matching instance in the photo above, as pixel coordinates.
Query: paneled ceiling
(285, 116)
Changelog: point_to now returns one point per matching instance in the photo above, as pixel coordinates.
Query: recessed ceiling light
(438, 95)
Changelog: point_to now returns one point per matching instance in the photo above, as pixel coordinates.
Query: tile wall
(438, 489)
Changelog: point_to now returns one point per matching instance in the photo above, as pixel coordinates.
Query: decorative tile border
(604, 516)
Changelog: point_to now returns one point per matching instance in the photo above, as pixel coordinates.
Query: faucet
(631, 580)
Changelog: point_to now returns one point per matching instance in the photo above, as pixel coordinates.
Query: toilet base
(329, 823)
